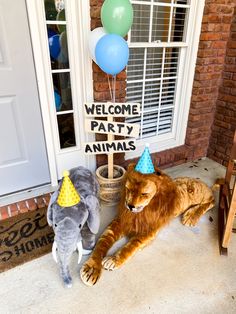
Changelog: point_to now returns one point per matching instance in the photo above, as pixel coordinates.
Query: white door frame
(79, 27)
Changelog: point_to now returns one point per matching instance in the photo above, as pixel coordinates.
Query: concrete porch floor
(180, 272)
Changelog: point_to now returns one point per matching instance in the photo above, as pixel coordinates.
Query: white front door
(23, 157)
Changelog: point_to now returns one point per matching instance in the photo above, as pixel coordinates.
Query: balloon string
(108, 79)
(114, 88)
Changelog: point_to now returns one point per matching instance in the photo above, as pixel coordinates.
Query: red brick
(221, 52)
(4, 213)
(198, 83)
(232, 44)
(205, 44)
(197, 98)
(46, 198)
(13, 209)
(203, 53)
(225, 9)
(230, 60)
(22, 207)
(200, 111)
(99, 77)
(40, 202)
(220, 8)
(106, 96)
(96, 2)
(104, 86)
(95, 23)
(96, 68)
(210, 36)
(31, 204)
(227, 75)
(224, 36)
(95, 12)
(226, 19)
(211, 18)
(230, 68)
(224, 90)
(202, 104)
(209, 68)
(218, 60)
(220, 155)
(121, 76)
(233, 91)
(219, 44)
(228, 98)
(222, 124)
(202, 61)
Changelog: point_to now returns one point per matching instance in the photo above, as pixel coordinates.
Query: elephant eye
(80, 226)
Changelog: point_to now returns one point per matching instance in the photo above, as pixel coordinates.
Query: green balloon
(50, 10)
(117, 16)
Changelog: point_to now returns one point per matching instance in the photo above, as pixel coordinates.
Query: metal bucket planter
(110, 189)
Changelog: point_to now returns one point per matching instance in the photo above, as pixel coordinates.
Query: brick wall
(215, 32)
(224, 123)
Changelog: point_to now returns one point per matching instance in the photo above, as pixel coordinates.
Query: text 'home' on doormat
(24, 237)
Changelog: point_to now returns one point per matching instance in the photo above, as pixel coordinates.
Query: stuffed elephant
(75, 227)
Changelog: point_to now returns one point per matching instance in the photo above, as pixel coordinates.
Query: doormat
(24, 237)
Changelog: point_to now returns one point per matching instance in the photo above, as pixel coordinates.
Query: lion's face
(139, 191)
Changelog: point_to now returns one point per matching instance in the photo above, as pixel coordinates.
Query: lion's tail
(217, 184)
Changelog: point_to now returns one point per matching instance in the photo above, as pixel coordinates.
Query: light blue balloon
(112, 53)
(57, 101)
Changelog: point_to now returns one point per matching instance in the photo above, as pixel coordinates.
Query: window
(159, 43)
(55, 19)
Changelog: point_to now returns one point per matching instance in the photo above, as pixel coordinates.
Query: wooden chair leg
(229, 220)
(227, 203)
(221, 219)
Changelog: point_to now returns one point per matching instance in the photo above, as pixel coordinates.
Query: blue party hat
(145, 164)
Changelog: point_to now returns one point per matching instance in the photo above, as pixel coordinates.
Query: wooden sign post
(110, 138)
(111, 128)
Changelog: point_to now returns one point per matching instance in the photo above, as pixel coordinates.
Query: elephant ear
(93, 207)
(50, 208)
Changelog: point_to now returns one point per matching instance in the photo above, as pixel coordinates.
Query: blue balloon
(112, 53)
(51, 32)
(54, 46)
(57, 101)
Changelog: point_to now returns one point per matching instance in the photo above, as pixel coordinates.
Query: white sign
(112, 109)
(105, 147)
(115, 128)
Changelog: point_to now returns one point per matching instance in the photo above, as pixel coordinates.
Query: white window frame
(184, 86)
(78, 12)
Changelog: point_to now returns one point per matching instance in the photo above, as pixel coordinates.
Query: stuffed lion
(149, 202)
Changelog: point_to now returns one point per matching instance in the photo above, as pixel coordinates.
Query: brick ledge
(24, 206)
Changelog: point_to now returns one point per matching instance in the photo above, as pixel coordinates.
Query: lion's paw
(110, 263)
(189, 219)
(90, 272)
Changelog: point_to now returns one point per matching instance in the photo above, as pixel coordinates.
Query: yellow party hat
(68, 195)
